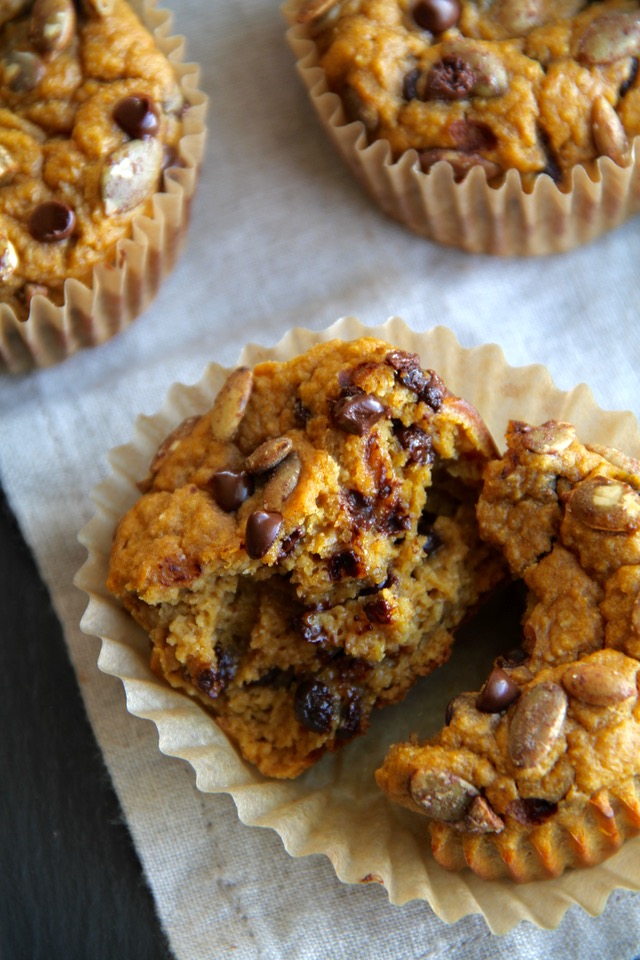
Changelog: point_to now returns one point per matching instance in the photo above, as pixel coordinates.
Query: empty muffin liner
(121, 290)
(471, 215)
(335, 808)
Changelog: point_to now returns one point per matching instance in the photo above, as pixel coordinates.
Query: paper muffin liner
(335, 808)
(472, 215)
(123, 287)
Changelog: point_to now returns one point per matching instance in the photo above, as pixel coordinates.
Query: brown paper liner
(471, 215)
(336, 808)
(121, 291)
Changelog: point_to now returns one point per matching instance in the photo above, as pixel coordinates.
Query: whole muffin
(93, 114)
(538, 88)
(303, 551)
(539, 770)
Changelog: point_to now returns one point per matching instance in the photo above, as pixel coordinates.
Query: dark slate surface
(71, 885)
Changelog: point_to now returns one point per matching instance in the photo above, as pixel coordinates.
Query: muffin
(303, 551)
(539, 770)
(100, 141)
(498, 127)
(335, 807)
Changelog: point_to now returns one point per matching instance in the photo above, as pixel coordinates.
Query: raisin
(314, 706)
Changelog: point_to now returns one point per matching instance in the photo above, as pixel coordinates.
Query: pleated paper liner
(120, 291)
(335, 808)
(471, 215)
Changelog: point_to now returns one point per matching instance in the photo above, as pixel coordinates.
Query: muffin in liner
(503, 220)
(336, 808)
(123, 286)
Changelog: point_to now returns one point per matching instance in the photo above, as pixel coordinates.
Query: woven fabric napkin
(282, 236)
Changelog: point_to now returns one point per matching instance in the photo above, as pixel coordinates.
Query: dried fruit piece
(536, 723)
(268, 455)
(605, 504)
(610, 37)
(8, 258)
(52, 221)
(130, 175)
(314, 706)
(262, 530)
(609, 135)
(442, 795)
(499, 692)
(466, 69)
(230, 404)
(597, 684)
(52, 25)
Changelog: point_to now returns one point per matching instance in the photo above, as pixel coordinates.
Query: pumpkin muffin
(540, 769)
(478, 90)
(303, 551)
(93, 114)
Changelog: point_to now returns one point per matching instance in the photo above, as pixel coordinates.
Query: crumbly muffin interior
(302, 552)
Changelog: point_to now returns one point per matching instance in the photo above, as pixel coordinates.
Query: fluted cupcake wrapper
(121, 290)
(335, 808)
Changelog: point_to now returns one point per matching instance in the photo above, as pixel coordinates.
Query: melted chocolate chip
(416, 442)
(432, 543)
(427, 385)
(357, 414)
(289, 543)
(137, 116)
(309, 631)
(498, 692)
(314, 706)
(360, 508)
(531, 810)
(451, 78)
(51, 221)
(212, 681)
(230, 488)
(436, 15)
(343, 565)
(301, 414)
(513, 658)
(262, 529)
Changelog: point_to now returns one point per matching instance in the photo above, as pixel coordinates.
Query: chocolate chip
(137, 116)
(416, 442)
(301, 414)
(212, 681)
(451, 78)
(360, 508)
(262, 529)
(289, 543)
(230, 488)
(314, 706)
(379, 611)
(513, 658)
(531, 810)
(427, 385)
(343, 565)
(309, 631)
(436, 15)
(51, 221)
(498, 692)
(358, 414)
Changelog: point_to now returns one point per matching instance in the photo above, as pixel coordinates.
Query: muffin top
(89, 118)
(533, 86)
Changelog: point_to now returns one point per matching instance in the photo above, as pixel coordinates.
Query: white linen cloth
(282, 236)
